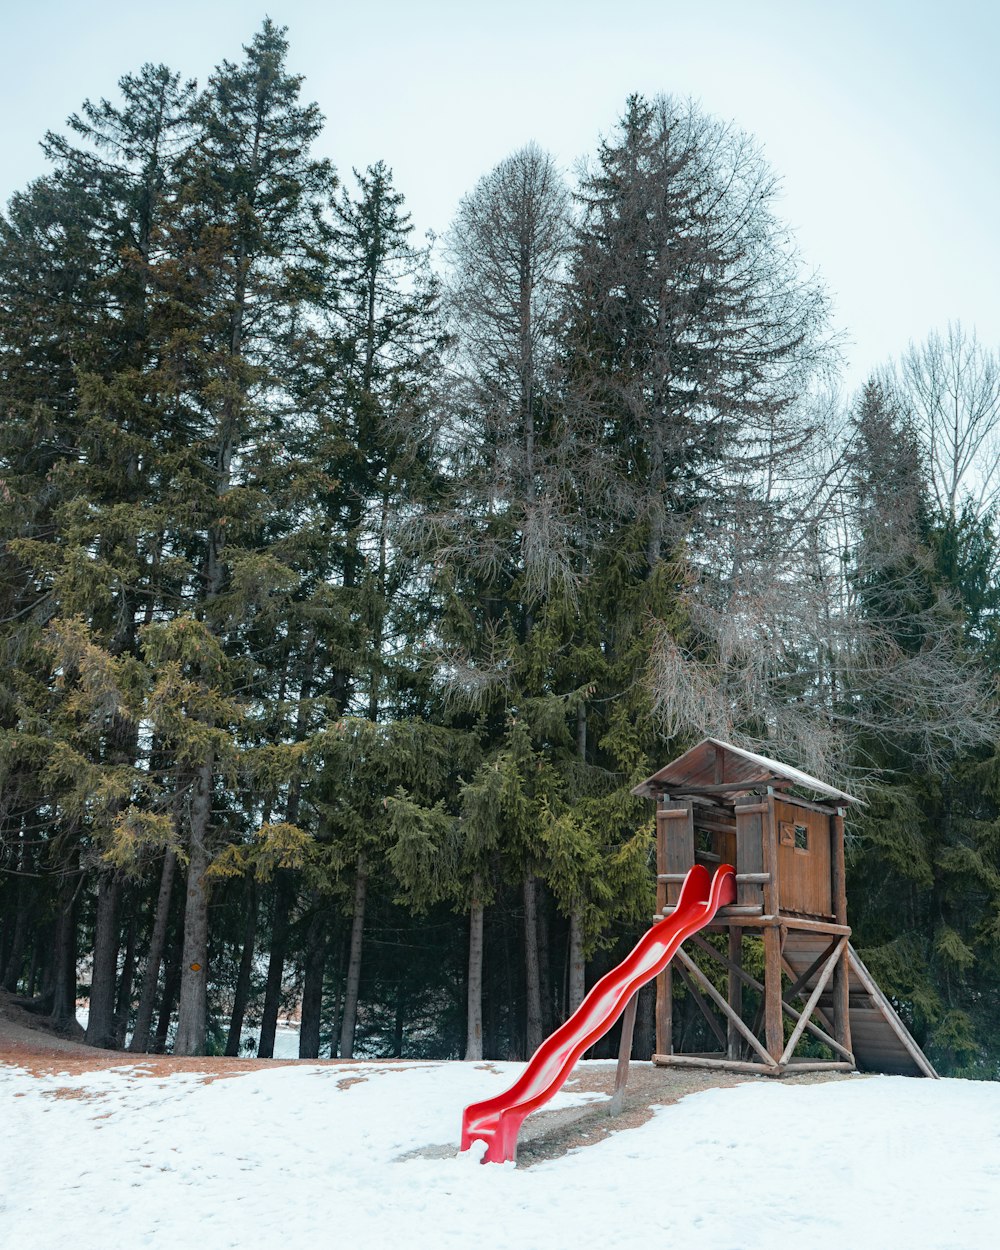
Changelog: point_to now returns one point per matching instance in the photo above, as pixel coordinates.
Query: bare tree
(510, 527)
(951, 384)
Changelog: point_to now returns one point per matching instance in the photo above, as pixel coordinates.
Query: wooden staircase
(880, 1040)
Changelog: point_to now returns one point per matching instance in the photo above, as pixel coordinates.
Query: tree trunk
(577, 979)
(14, 963)
(171, 987)
(192, 1009)
(474, 1025)
(338, 998)
(242, 994)
(123, 1003)
(64, 958)
(101, 1018)
(35, 966)
(400, 1020)
(144, 1014)
(354, 961)
(312, 989)
(533, 997)
(284, 897)
(544, 960)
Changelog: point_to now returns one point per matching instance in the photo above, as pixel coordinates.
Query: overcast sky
(881, 118)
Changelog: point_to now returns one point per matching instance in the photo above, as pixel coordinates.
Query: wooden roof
(718, 767)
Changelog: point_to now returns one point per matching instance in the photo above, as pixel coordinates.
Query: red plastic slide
(497, 1121)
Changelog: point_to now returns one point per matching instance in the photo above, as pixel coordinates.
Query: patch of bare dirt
(552, 1134)
(26, 1041)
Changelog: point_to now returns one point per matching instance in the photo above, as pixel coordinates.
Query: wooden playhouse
(720, 804)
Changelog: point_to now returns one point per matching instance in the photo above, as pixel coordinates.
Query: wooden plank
(827, 809)
(839, 871)
(721, 914)
(754, 878)
(818, 1065)
(815, 926)
(706, 985)
(772, 891)
(898, 1028)
(810, 1006)
(805, 873)
(722, 787)
(624, 1055)
(678, 843)
(728, 1065)
(749, 853)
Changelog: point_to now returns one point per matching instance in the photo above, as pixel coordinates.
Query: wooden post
(735, 995)
(663, 987)
(749, 849)
(665, 1012)
(841, 974)
(674, 855)
(774, 1032)
(772, 891)
(624, 1055)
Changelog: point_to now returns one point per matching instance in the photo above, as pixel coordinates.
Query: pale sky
(881, 118)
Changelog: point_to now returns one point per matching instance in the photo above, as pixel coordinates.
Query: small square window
(801, 838)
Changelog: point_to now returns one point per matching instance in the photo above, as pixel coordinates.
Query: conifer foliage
(348, 585)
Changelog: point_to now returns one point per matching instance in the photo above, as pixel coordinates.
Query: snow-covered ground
(311, 1156)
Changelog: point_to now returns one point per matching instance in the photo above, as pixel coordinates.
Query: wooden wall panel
(805, 874)
(675, 841)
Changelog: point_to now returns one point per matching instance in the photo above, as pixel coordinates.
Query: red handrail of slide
(497, 1121)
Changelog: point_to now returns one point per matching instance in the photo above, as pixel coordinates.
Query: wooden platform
(880, 1040)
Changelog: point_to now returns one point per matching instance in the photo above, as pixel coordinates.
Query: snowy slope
(310, 1156)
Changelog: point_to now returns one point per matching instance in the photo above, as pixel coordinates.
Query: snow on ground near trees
(311, 1156)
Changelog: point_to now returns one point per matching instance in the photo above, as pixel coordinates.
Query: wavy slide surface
(497, 1121)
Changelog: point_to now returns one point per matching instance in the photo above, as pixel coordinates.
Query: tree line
(348, 585)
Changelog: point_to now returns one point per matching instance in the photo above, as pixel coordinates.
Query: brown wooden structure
(716, 804)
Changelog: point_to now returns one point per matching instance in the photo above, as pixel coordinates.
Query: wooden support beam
(624, 1055)
(887, 1010)
(789, 1010)
(702, 1006)
(735, 988)
(706, 985)
(665, 1011)
(724, 787)
(774, 1033)
(827, 1023)
(816, 926)
(842, 973)
(663, 983)
(807, 976)
(807, 1011)
(744, 1067)
(818, 1065)
(721, 914)
(754, 878)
